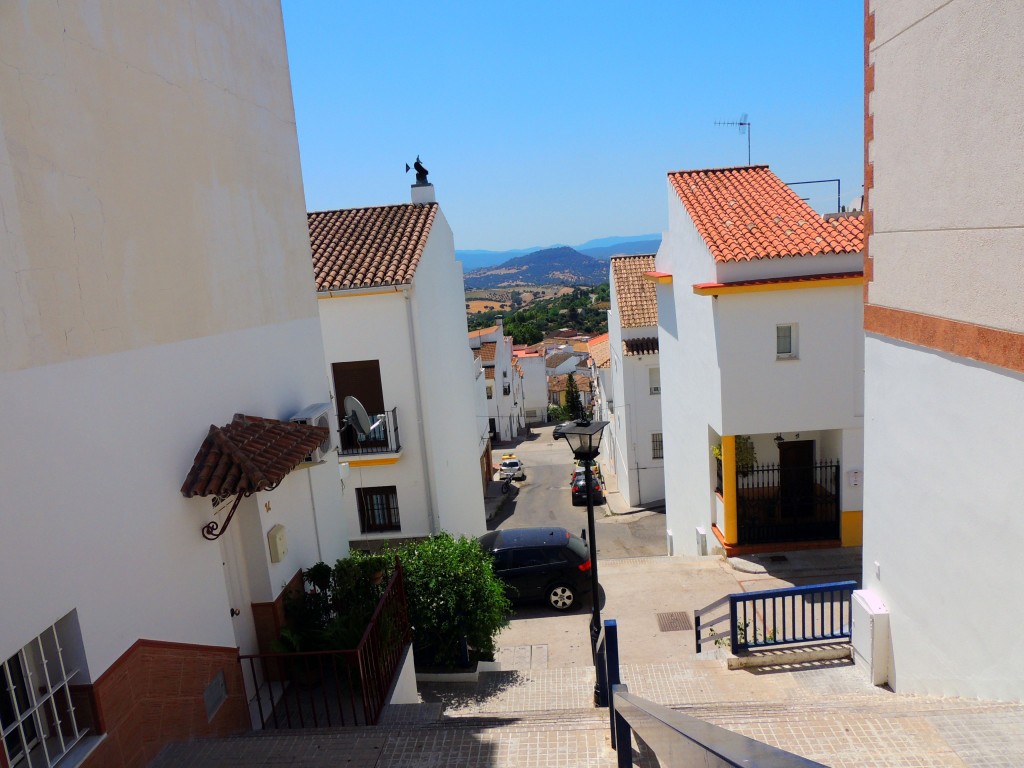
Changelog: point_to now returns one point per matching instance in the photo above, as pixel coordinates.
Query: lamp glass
(584, 438)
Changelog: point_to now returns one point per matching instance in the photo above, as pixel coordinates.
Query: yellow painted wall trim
(730, 527)
(722, 289)
(374, 462)
(658, 277)
(852, 527)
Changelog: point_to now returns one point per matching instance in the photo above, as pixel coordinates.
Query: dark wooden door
(796, 478)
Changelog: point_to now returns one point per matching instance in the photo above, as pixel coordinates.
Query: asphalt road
(543, 498)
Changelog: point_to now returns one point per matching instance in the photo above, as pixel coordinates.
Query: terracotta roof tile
(250, 454)
(487, 351)
(556, 359)
(637, 297)
(645, 346)
(600, 351)
(489, 372)
(749, 213)
(366, 247)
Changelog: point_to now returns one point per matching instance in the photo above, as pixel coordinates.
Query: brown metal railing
(318, 689)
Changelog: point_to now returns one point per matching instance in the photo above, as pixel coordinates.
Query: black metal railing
(323, 689)
(383, 438)
(675, 738)
(776, 503)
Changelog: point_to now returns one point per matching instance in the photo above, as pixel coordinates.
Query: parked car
(558, 432)
(578, 470)
(511, 467)
(579, 490)
(548, 564)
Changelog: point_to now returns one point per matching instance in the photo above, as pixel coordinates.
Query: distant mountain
(601, 248)
(630, 248)
(550, 266)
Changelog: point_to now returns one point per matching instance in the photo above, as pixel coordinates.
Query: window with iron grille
(490, 393)
(37, 716)
(656, 447)
(785, 341)
(506, 389)
(378, 509)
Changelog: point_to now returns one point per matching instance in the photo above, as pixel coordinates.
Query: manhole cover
(674, 622)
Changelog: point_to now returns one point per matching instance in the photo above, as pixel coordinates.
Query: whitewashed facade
(944, 316)
(153, 282)
(505, 404)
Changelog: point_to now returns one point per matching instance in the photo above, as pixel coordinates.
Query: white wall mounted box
(870, 634)
(278, 543)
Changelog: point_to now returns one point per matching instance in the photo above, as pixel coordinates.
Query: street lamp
(584, 438)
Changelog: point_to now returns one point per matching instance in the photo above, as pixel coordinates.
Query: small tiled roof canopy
(637, 297)
(645, 346)
(749, 213)
(367, 247)
(248, 455)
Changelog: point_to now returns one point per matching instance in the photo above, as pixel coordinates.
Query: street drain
(778, 559)
(674, 622)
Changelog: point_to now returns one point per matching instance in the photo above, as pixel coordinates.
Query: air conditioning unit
(317, 415)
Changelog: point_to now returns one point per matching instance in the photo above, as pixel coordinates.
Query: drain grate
(674, 622)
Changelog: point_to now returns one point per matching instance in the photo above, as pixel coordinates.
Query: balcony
(383, 438)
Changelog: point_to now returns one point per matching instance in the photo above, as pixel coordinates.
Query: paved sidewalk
(537, 710)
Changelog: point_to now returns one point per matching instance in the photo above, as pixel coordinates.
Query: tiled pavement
(539, 712)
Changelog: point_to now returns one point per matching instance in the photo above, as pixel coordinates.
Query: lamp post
(584, 438)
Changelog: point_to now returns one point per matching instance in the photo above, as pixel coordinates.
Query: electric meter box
(278, 543)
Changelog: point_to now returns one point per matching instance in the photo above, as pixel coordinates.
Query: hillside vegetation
(551, 266)
(583, 309)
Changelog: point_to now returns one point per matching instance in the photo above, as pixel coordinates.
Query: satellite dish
(357, 417)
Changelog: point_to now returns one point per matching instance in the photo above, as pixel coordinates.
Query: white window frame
(37, 700)
(654, 379)
(792, 354)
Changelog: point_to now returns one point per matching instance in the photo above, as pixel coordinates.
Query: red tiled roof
(487, 351)
(637, 297)
(250, 454)
(748, 213)
(489, 372)
(366, 247)
(557, 358)
(645, 346)
(600, 351)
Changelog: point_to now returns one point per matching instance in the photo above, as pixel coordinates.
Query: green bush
(453, 593)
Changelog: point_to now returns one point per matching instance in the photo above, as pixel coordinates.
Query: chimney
(423, 193)
(497, 322)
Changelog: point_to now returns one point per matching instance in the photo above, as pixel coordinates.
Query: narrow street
(543, 498)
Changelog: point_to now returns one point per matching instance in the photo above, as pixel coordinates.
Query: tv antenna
(357, 418)
(744, 126)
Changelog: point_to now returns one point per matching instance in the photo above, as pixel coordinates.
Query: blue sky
(556, 122)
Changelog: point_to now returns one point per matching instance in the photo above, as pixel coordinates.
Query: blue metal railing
(675, 738)
(774, 617)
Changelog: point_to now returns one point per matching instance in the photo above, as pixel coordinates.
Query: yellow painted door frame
(730, 530)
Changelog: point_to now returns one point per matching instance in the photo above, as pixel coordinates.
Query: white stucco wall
(942, 456)
(816, 390)
(95, 453)
(535, 388)
(946, 198)
(154, 280)
(690, 379)
(447, 397)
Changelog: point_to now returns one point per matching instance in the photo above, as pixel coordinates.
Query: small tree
(572, 399)
(453, 594)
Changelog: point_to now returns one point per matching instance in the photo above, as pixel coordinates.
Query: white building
(759, 314)
(535, 388)
(392, 312)
(154, 281)
(504, 394)
(944, 361)
(600, 374)
(634, 438)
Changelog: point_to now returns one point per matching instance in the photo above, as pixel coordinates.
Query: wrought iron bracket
(212, 530)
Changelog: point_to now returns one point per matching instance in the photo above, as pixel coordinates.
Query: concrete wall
(154, 281)
(942, 433)
(946, 202)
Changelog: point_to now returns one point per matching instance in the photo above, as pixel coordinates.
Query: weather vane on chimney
(421, 172)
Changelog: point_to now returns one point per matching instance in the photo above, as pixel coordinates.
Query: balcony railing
(383, 438)
(787, 503)
(319, 689)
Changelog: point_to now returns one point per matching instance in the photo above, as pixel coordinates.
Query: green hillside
(584, 310)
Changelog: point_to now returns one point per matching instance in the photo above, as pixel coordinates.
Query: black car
(579, 490)
(548, 564)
